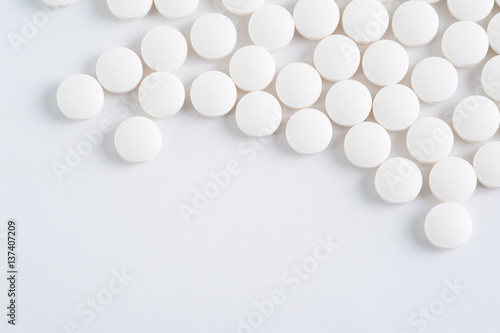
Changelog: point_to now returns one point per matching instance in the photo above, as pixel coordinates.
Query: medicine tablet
(434, 80)
(245, 7)
(316, 19)
(271, 27)
(448, 226)
(487, 165)
(415, 23)
(494, 33)
(309, 131)
(161, 94)
(490, 78)
(337, 58)
(398, 180)
(164, 49)
(298, 85)
(119, 70)
(138, 139)
(258, 114)
(176, 9)
(58, 3)
(348, 103)
(365, 21)
(80, 97)
(452, 179)
(130, 9)
(252, 68)
(367, 145)
(431, 1)
(467, 10)
(385, 62)
(396, 107)
(213, 36)
(429, 140)
(213, 94)
(465, 44)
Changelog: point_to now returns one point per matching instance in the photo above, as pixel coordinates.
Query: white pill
(434, 80)
(365, 21)
(337, 58)
(161, 94)
(213, 94)
(487, 165)
(465, 44)
(138, 139)
(385, 62)
(430, 1)
(396, 107)
(80, 97)
(271, 27)
(467, 10)
(415, 23)
(119, 70)
(309, 131)
(258, 114)
(429, 140)
(490, 78)
(58, 3)
(448, 226)
(176, 9)
(348, 103)
(164, 49)
(130, 9)
(298, 85)
(398, 180)
(452, 179)
(213, 36)
(316, 19)
(245, 7)
(494, 33)
(252, 68)
(367, 145)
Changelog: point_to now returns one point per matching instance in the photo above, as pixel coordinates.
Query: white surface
(161, 94)
(316, 19)
(465, 44)
(258, 114)
(309, 131)
(348, 103)
(213, 94)
(448, 226)
(415, 23)
(213, 36)
(385, 62)
(119, 70)
(429, 139)
(176, 9)
(298, 85)
(367, 145)
(164, 49)
(337, 58)
(271, 27)
(80, 96)
(138, 139)
(252, 68)
(396, 107)
(487, 164)
(452, 179)
(434, 80)
(398, 180)
(130, 9)
(467, 10)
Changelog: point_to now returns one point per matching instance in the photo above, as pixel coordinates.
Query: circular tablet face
(213, 94)
(161, 94)
(476, 119)
(396, 107)
(119, 70)
(448, 226)
(415, 23)
(309, 131)
(367, 145)
(337, 58)
(271, 27)
(466, 10)
(452, 179)
(434, 80)
(398, 180)
(258, 114)
(487, 165)
(298, 85)
(465, 44)
(252, 68)
(80, 97)
(429, 140)
(213, 36)
(245, 7)
(490, 78)
(138, 139)
(164, 49)
(130, 9)
(385, 62)
(176, 9)
(365, 21)
(494, 33)
(316, 19)
(348, 103)
(58, 3)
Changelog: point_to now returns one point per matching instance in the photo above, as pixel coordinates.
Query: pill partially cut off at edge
(58, 3)
(448, 226)
(487, 165)
(130, 9)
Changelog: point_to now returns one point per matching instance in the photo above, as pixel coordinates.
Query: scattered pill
(465, 44)
(434, 80)
(271, 27)
(298, 85)
(258, 114)
(494, 33)
(164, 49)
(467, 10)
(129, 9)
(138, 139)
(490, 78)
(309, 131)
(448, 226)
(213, 94)
(367, 145)
(245, 7)
(316, 19)
(348, 103)
(385, 62)
(337, 58)
(176, 9)
(398, 180)
(213, 36)
(365, 21)
(396, 107)
(161, 94)
(487, 165)
(119, 70)
(80, 97)
(252, 68)
(415, 23)
(452, 179)
(429, 140)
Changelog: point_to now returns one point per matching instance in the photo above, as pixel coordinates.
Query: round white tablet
(213, 36)
(130, 9)
(119, 70)
(298, 85)
(452, 179)
(398, 180)
(252, 68)
(164, 49)
(271, 27)
(385, 62)
(396, 107)
(258, 114)
(316, 19)
(367, 145)
(490, 78)
(213, 94)
(80, 97)
(467, 10)
(487, 165)
(58, 3)
(415, 23)
(309, 131)
(176, 9)
(337, 58)
(448, 226)
(348, 103)
(465, 44)
(494, 33)
(161, 94)
(245, 7)
(434, 80)
(429, 140)
(365, 21)
(138, 139)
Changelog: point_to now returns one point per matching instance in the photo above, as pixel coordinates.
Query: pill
(385, 62)
(337, 58)
(367, 145)
(398, 180)
(396, 107)
(161, 94)
(316, 19)
(431, 1)
(309, 131)
(452, 179)
(58, 3)
(252, 68)
(119, 70)
(213, 94)
(245, 7)
(448, 226)
(429, 140)
(298, 85)
(490, 78)
(176, 9)
(467, 10)
(465, 44)
(271, 27)
(213, 36)
(348, 103)
(487, 165)
(415, 23)
(434, 80)
(494, 33)
(130, 9)
(138, 139)
(80, 97)
(164, 49)
(258, 114)
(365, 21)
